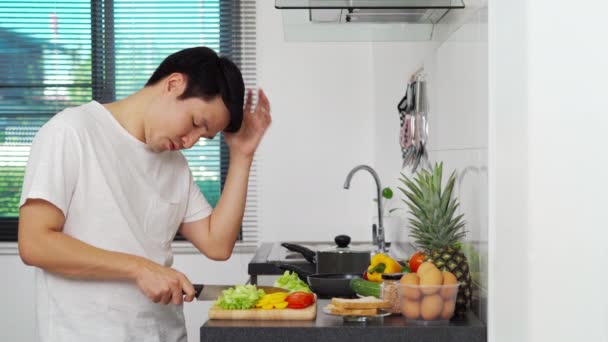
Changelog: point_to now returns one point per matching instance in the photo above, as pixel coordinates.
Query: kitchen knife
(212, 292)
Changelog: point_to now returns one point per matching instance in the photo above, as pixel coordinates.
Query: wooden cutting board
(306, 314)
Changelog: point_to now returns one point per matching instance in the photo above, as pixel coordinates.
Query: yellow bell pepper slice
(281, 305)
(277, 300)
(273, 300)
(275, 295)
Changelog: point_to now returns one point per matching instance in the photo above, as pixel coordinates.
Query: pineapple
(436, 230)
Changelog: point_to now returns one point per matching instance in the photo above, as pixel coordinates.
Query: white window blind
(60, 53)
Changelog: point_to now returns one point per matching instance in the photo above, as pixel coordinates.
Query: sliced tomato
(415, 261)
(300, 300)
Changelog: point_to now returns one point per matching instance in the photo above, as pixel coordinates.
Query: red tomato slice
(300, 300)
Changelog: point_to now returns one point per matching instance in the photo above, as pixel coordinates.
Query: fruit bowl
(428, 303)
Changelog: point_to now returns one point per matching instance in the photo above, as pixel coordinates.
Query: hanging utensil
(421, 125)
(405, 108)
(414, 123)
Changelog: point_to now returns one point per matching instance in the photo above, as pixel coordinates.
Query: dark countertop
(331, 328)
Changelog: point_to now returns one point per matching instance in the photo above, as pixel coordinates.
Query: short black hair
(208, 75)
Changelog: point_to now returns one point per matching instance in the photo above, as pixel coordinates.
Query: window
(58, 53)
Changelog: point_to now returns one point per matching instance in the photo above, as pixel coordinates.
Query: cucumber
(365, 288)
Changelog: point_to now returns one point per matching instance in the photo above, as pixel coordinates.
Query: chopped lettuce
(290, 282)
(240, 297)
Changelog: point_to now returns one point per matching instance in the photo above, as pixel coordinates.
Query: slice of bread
(360, 303)
(336, 310)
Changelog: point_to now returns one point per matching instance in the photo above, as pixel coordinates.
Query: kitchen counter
(331, 328)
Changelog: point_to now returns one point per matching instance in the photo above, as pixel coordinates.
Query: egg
(424, 267)
(449, 292)
(411, 291)
(431, 307)
(411, 309)
(430, 281)
(410, 278)
(448, 309)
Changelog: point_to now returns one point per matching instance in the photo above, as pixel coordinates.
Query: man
(106, 189)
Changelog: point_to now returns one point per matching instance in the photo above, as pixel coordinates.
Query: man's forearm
(226, 219)
(44, 245)
(62, 254)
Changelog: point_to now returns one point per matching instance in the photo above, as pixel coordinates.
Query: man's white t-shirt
(117, 195)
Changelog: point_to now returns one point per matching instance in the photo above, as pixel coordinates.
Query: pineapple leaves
(409, 185)
(447, 193)
(437, 177)
(433, 223)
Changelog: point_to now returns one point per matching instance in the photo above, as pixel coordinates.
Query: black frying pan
(337, 259)
(324, 284)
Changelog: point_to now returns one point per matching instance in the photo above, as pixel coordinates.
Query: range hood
(363, 20)
(372, 11)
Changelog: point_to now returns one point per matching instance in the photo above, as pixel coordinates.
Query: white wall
(568, 125)
(393, 63)
(508, 316)
(17, 312)
(548, 129)
(321, 96)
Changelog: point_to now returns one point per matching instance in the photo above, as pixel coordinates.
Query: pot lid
(342, 246)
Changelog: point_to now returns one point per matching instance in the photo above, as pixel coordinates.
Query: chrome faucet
(379, 237)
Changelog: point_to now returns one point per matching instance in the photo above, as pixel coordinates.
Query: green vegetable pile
(240, 297)
(290, 282)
